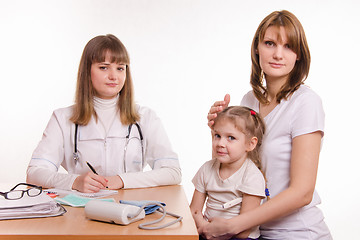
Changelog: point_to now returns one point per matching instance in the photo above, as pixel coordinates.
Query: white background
(185, 55)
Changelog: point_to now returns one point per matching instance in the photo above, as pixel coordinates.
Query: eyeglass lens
(17, 194)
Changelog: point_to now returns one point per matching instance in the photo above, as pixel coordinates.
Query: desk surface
(74, 224)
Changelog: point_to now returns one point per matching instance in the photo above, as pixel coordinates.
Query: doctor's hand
(115, 182)
(216, 108)
(89, 182)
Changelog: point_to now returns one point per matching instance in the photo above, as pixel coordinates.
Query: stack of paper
(30, 207)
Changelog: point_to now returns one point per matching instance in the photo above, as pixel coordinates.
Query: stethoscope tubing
(76, 155)
(127, 142)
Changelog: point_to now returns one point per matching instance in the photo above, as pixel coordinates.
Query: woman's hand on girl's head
(89, 182)
(216, 108)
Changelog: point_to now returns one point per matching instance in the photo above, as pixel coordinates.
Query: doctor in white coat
(104, 130)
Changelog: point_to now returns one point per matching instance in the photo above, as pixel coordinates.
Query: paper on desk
(77, 201)
(25, 201)
(30, 207)
(101, 193)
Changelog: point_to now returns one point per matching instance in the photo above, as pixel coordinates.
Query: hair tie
(253, 112)
(267, 193)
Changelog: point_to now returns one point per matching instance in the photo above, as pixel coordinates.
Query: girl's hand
(216, 108)
(217, 228)
(200, 221)
(89, 182)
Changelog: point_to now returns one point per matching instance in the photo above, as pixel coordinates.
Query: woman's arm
(196, 206)
(47, 158)
(49, 155)
(303, 172)
(249, 202)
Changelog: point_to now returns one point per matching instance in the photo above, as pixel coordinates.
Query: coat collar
(95, 130)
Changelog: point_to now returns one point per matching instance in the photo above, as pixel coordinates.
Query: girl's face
(276, 58)
(108, 78)
(229, 144)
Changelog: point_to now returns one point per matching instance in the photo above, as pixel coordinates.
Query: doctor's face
(108, 78)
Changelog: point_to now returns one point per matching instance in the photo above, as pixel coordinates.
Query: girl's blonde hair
(95, 51)
(254, 127)
(297, 42)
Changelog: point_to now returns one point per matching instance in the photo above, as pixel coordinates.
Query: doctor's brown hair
(95, 52)
(297, 42)
(254, 127)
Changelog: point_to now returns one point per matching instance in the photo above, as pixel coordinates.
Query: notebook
(101, 193)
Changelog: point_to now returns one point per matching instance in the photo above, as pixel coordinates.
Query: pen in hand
(92, 169)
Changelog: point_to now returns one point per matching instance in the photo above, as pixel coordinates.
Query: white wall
(185, 55)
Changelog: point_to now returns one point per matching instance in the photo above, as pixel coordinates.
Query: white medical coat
(104, 152)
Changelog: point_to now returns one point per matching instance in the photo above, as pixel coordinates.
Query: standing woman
(294, 119)
(104, 129)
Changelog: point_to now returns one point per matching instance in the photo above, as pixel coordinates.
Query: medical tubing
(143, 225)
(178, 219)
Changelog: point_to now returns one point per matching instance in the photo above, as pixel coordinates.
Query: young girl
(105, 139)
(294, 118)
(232, 183)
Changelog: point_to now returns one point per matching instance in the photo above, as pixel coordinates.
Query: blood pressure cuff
(148, 209)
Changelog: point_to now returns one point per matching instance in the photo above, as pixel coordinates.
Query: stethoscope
(128, 138)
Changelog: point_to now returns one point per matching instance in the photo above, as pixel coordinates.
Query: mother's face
(276, 58)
